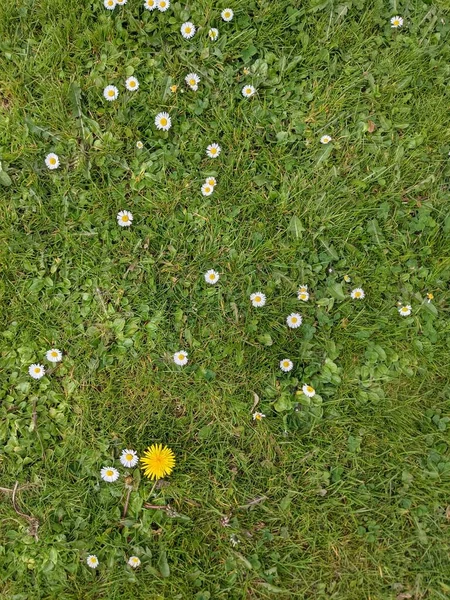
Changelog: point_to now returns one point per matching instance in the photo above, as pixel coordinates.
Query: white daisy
(150, 4)
(294, 320)
(129, 458)
(211, 276)
(54, 355)
(109, 474)
(286, 365)
(248, 91)
(308, 391)
(207, 189)
(405, 310)
(132, 84)
(213, 150)
(212, 181)
(92, 561)
(258, 416)
(124, 218)
(258, 299)
(187, 30)
(357, 294)
(227, 14)
(163, 5)
(396, 22)
(303, 296)
(110, 93)
(303, 288)
(347, 278)
(180, 358)
(110, 4)
(192, 79)
(139, 145)
(213, 34)
(325, 139)
(52, 161)
(36, 371)
(134, 562)
(121, 2)
(163, 121)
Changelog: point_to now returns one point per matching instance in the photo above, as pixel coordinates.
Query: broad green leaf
(295, 227)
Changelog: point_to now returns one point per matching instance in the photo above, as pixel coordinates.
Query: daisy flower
(150, 4)
(54, 355)
(139, 145)
(258, 416)
(158, 461)
(163, 5)
(180, 358)
(405, 310)
(325, 139)
(286, 365)
(132, 84)
(430, 297)
(134, 562)
(187, 30)
(129, 458)
(294, 320)
(357, 294)
(303, 296)
(212, 276)
(347, 278)
(52, 161)
(308, 391)
(121, 2)
(396, 22)
(36, 371)
(248, 91)
(213, 34)
(124, 218)
(110, 93)
(110, 4)
(234, 540)
(163, 121)
(303, 288)
(109, 474)
(212, 181)
(92, 561)
(213, 150)
(192, 79)
(227, 14)
(207, 189)
(173, 88)
(258, 299)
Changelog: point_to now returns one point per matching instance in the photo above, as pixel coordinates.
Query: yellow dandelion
(157, 462)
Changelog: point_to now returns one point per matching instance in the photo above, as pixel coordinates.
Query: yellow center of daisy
(405, 309)
(109, 473)
(396, 22)
(37, 370)
(357, 294)
(248, 91)
(111, 2)
(285, 363)
(257, 298)
(181, 357)
(111, 93)
(92, 560)
(134, 560)
(162, 4)
(150, 3)
(211, 34)
(128, 457)
(430, 296)
(54, 354)
(125, 218)
(187, 30)
(52, 161)
(212, 276)
(309, 389)
(192, 82)
(163, 121)
(294, 319)
(227, 15)
(213, 150)
(207, 189)
(132, 83)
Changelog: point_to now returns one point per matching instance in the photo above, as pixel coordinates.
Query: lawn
(341, 495)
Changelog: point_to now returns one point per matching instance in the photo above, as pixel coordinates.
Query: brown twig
(34, 523)
(253, 502)
(127, 501)
(155, 506)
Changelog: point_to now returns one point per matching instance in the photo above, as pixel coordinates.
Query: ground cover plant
(224, 242)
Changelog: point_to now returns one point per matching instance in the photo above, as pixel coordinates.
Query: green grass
(342, 498)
